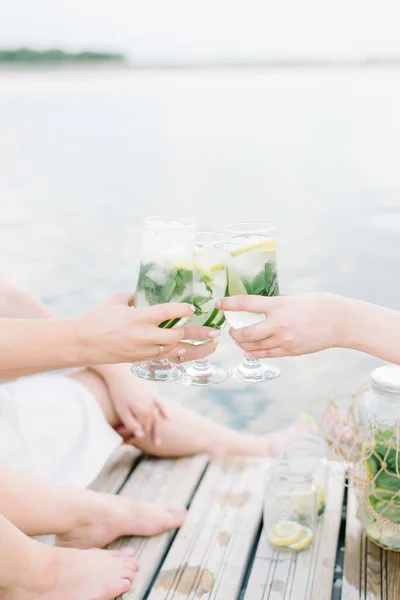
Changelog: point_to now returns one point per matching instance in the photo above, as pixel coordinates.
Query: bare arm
(309, 323)
(372, 329)
(109, 333)
(16, 303)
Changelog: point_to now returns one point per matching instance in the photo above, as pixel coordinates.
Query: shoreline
(178, 66)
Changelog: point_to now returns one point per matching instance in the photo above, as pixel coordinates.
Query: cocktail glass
(209, 283)
(251, 269)
(166, 275)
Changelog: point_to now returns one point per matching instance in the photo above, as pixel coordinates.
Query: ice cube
(158, 274)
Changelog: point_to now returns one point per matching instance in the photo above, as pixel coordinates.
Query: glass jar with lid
(290, 508)
(309, 455)
(378, 465)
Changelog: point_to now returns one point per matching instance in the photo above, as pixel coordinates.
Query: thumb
(256, 304)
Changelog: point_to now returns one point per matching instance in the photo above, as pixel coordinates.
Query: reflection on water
(85, 155)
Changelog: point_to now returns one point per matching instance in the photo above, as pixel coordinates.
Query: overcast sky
(206, 28)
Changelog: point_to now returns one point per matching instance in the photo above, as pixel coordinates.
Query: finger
(253, 333)
(257, 304)
(272, 353)
(200, 333)
(195, 352)
(123, 431)
(156, 336)
(161, 410)
(165, 312)
(130, 440)
(178, 353)
(133, 425)
(266, 344)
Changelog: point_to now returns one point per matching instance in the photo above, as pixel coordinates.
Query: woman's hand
(114, 333)
(294, 325)
(137, 405)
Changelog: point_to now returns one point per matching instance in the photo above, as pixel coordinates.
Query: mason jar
(290, 508)
(378, 465)
(310, 455)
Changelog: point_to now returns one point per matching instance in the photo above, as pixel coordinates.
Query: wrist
(355, 318)
(340, 312)
(85, 349)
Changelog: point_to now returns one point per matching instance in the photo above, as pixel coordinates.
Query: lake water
(86, 154)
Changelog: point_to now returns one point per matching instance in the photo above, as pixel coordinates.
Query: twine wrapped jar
(377, 471)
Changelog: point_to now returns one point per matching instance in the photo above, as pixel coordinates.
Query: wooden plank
(165, 482)
(392, 575)
(281, 574)
(116, 470)
(328, 535)
(210, 553)
(353, 574)
(374, 571)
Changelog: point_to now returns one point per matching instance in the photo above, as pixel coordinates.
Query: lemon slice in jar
(304, 540)
(286, 533)
(265, 245)
(218, 267)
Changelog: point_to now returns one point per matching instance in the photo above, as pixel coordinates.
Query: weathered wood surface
(210, 553)
(370, 573)
(116, 470)
(163, 482)
(284, 575)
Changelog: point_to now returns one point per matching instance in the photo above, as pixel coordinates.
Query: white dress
(52, 427)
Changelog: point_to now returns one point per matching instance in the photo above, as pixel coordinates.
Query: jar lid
(386, 379)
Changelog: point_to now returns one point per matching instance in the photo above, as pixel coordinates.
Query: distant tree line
(54, 55)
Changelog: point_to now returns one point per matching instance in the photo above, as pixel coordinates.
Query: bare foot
(270, 444)
(109, 517)
(277, 440)
(48, 573)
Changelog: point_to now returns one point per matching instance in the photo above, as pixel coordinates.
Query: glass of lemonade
(209, 283)
(165, 275)
(251, 269)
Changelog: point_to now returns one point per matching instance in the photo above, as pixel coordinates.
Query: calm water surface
(84, 155)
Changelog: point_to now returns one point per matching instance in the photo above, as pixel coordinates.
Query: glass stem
(251, 363)
(201, 364)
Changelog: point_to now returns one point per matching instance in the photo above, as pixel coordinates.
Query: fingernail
(214, 333)
(139, 433)
(248, 355)
(181, 351)
(157, 441)
(218, 304)
(192, 307)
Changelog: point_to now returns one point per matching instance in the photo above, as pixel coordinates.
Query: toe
(129, 574)
(127, 551)
(124, 586)
(177, 516)
(117, 553)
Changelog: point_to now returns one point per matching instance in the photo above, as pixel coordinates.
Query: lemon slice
(181, 264)
(286, 533)
(235, 285)
(265, 245)
(304, 540)
(202, 270)
(218, 267)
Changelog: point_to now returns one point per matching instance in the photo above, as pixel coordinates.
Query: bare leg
(33, 571)
(80, 518)
(186, 432)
